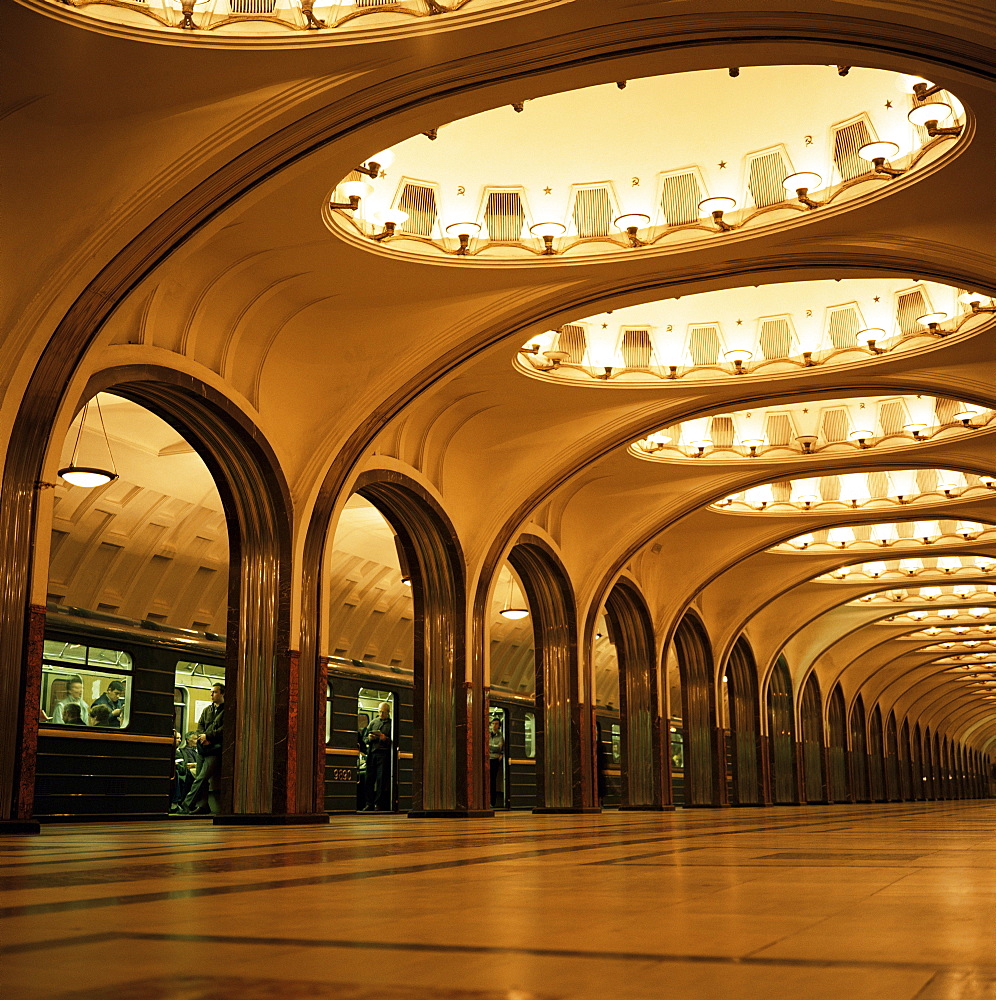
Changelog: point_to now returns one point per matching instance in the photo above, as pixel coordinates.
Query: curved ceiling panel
(885, 491)
(661, 162)
(278, 17)
(828, 427)
(772, 329)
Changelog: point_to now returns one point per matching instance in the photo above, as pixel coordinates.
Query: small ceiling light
(89, 476)
(354, 191)
(967, 414)
(877, 153)
(802, 183)
(391, 218)
(463, 231)
(989, 481)
(377, 164)
(922, 89)
(738, 357)
(929, 115)
(974, 300)
(716, 207)
(870, 336)
(631, 224)
(861, 436)
(807, 441)
(916, 430)
(803, 541)
(548, 230)
(932, 321)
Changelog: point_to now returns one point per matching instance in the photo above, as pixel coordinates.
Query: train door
(193, 682)
(498, 767)
(520, 754)
(677, 761)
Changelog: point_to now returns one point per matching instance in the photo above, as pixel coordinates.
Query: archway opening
(780, 703)
(811, 718)
(698, 711)
(837, 776)
(742, 708)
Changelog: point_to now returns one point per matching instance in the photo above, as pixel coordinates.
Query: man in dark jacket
(202, 798)
(113, 699)
(380, 756)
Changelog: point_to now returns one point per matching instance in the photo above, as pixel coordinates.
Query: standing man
(74, 696)
(113, 698)
(380, 753)
(202, 798)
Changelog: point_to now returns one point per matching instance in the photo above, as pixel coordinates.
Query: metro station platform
(891, 902)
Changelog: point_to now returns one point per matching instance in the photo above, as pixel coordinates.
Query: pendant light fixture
(508, 610)
(89, 476)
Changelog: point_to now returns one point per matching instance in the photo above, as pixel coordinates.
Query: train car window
(195, 681)
(180, 709)
(530, 734)
(677, 745)
(616, 743)
(85, 686)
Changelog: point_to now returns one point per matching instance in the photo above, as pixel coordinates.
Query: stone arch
(646, 779)
(892, 785)
(745, 725)
(905, 762)
(811, 726)
(442, 781)
(260, 749)
(876, 757)
(838, 786)
(698, 712)
(860, 777)
(780, 706)
(919, 778)
(562, 785)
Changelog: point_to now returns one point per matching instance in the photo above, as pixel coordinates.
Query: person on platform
(74, 696)
(113, 698)
(496, 757)
(202, 799)
(378, 737)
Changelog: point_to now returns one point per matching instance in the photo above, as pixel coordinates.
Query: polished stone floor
(887, 902)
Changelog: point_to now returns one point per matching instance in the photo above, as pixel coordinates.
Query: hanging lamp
(89, 476)
(508, 611)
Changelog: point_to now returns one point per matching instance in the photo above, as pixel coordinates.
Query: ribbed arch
(893, 788)
(745, 726)
(646, 780)
(811, 718)
(876, 757)
(859, 751)
(442, 778)
(698, 711)
(919, 778)
(561, 783)
(780, 707)
(837, 777)
(929, 767)
(905, 762)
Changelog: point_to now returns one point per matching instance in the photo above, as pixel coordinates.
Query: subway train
(165, 674)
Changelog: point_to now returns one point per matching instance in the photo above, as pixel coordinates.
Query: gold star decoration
(547, 190)
(722, 164)
(605, 326)
(878, 298)
(888, 104)
(740, 322)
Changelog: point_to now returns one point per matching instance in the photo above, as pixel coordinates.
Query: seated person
(72, 716)
(101, 716)
(113, 698)
(183, 773)
(189, 752)
(74, 696)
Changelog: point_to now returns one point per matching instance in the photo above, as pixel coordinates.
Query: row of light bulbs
(911, 567)
(962, 591)
(928, 115)
(885, 534)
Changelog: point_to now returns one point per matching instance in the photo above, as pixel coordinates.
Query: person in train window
(71, 716)
(377, 737)
(113, 699)
(101, 717)
(202, 798)
(496, 754)
(74, 696)
(362, 721)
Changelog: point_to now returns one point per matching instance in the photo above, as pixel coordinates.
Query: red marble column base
(19, 826)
